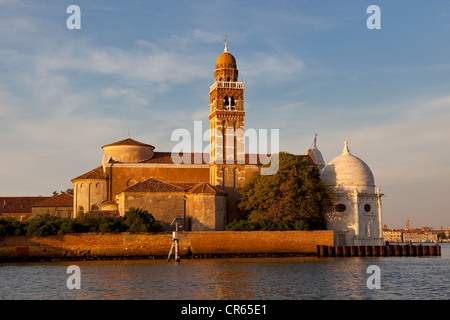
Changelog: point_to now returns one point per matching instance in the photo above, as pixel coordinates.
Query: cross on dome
(226, 46)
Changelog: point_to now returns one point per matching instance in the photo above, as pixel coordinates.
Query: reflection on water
(240, 278)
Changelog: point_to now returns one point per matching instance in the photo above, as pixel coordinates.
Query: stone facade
(60, 206)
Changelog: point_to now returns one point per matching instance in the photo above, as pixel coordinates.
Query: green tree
(10, 226)
(93, 222)
(46, 225)
(138, 220)
(295, 198)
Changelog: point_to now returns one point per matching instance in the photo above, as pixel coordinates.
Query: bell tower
(226, 120)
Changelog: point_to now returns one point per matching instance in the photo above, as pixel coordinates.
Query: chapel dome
(226, 60)
(348, 172)
(127, 151)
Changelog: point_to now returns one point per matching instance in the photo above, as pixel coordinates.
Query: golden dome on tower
(226, 60)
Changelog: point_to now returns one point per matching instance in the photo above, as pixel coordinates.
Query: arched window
(80, 210)
(227, 103)
(232, 106)
(95, 208)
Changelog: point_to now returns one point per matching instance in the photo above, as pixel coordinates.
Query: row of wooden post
(378, 251)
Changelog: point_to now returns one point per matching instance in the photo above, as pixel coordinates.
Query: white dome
(348, 172)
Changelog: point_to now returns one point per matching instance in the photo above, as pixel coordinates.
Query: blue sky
(309, 67)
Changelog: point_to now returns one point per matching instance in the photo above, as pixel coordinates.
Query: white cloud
(273, 67)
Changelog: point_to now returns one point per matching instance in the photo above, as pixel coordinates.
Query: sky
(143, 69)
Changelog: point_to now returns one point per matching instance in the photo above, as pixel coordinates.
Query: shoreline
(131, 258)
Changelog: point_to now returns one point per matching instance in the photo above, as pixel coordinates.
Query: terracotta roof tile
(128, 142)
(203, 158)
(166, 157)
(19, 204)
(106, 213)
(154, 185)
(94, 174)
(62, 200)
(205, 187)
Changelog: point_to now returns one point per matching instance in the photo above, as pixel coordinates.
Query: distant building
(392, 235)
(60, 206)
(19, 208)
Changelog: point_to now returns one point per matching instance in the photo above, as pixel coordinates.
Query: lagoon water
(296, 278)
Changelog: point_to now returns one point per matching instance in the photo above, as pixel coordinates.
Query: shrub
(10, 227)
(45, 225)
(138, 220)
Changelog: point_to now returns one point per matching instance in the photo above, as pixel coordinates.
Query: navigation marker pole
(175, 243)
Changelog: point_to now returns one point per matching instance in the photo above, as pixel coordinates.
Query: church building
(201, 189)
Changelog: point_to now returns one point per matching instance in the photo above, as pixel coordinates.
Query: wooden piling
(378, 251)
(405, 251)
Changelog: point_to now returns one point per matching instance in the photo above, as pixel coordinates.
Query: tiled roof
(128, 142)
(19, 204)
(203, 158)
(62, 200)
(95, 174)
(204, 187)
(154, 185)
(106, 213)
(166, 157)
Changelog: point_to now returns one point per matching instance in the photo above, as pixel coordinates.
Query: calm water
(246, 278)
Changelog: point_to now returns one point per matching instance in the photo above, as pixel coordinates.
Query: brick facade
(79, 246)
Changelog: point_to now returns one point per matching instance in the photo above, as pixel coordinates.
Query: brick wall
(145, 245)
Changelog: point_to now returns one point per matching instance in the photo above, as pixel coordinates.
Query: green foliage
(295, 198)
(138, 220)
(134, 221)
(10, 227)
(42, 225)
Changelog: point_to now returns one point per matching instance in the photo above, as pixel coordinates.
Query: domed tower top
(226, 68)
(316, 155)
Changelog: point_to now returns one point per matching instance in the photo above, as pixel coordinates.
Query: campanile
(226, 120)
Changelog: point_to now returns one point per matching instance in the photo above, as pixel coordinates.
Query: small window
(80, 210)
(341, 207)
(95, 208)
(367, 207)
